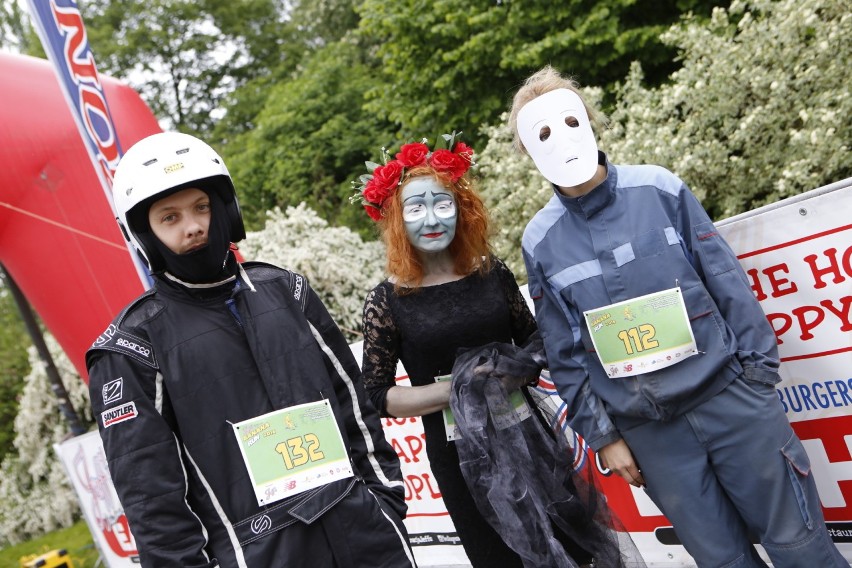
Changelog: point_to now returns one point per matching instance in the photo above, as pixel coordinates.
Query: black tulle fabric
(520, 474)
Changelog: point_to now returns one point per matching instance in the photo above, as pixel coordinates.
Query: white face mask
(556, 131)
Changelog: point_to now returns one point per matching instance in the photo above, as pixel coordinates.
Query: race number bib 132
(292, 450)
(643, 334)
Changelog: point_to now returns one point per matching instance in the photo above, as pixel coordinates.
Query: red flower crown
(375, 187)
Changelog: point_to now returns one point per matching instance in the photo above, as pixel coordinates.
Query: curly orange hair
(470, 248)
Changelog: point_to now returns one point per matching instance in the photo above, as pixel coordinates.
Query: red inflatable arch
(58, 237)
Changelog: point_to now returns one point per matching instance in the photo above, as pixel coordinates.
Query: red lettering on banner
(776, 283)
(415, 485)
(119, 538)
(834, 267)
(92, 103)
(399, 421)
(843, 313)
(808, 322)
(77, 54)
(410, 452)
(81, 65)
(807, 318)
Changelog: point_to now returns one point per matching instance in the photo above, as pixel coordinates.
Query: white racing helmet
(162, 164)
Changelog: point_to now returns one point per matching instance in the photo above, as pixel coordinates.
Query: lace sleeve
(381, 348)
(523, 322)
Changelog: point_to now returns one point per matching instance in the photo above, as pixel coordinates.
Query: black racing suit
(171, 374)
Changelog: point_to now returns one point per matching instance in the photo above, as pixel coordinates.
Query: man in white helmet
(230, 406)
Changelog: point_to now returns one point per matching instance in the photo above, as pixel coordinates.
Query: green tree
(310, 140)
(453, 64)
(185, 56)
(16, 32)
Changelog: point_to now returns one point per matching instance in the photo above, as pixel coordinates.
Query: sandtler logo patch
(119, 414)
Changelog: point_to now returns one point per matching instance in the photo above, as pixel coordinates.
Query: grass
(76, 539)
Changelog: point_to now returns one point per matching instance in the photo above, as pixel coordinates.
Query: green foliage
(16, 32)
(310, 140)
(14, 366)
(758, 112)
(453, 64)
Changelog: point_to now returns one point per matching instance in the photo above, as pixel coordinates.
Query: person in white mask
(658, 346)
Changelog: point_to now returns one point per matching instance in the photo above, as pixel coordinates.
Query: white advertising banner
(85, 461)
(798, 257)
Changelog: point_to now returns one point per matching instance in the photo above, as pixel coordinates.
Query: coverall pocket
(799, 468)
(716, 255)
(649, 244)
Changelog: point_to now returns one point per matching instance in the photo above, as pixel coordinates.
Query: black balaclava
(207, 264)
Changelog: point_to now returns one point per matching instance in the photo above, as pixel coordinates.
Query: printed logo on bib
(112, 391)
(113, 416)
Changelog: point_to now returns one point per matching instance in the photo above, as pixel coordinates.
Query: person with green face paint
(445, 292)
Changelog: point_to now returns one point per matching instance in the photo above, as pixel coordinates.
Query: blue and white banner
(60, 26)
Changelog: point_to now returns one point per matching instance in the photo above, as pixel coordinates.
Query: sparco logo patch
(121, 342)
(119, 414)
(112, 390)
(297, 293)
(260, 524)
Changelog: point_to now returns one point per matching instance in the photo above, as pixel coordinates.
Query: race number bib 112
(292, 450)
(643, 334)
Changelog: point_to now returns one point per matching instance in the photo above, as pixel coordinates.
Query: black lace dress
(424, 329)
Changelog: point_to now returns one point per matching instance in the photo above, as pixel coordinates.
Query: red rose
(464, 151)
(446, 161)
(413, 154)
(384, 183)
(375, 193)
(374, 212)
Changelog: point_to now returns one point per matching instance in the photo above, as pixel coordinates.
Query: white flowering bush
(340, 266)
(759, 110)
(35, 493)
(512, 189)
